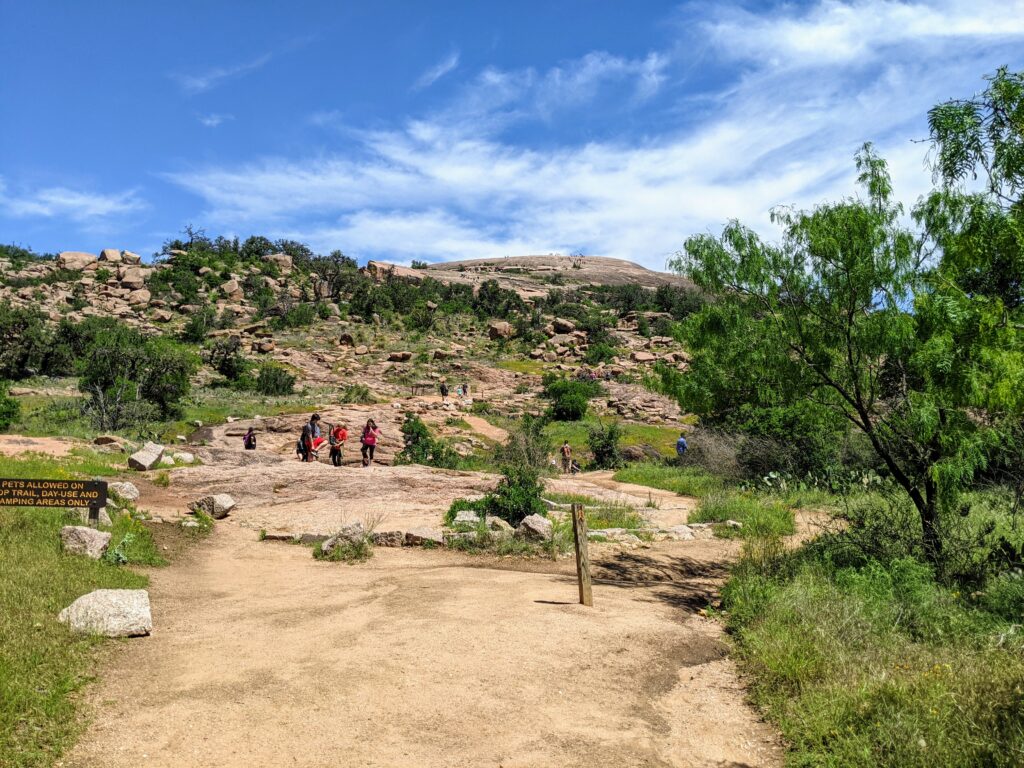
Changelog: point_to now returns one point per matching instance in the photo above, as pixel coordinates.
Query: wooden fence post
(579, 531)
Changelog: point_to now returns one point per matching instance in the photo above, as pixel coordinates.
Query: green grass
(760, 517)
(686, 481)
(345, 552)
(601, 514)
(661, 438)
(43, 664)
(877, 665)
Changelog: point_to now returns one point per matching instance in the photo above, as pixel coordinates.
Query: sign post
(17, 492)
(579, 531)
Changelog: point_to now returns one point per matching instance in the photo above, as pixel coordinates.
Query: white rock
(497, 525)
(349, 534)
(467, 517)
(111, 613)
(79, 540)
(111, 255)
(167, 460)
(184, 457)
(124, 491)
(148, 457)
(534, 528)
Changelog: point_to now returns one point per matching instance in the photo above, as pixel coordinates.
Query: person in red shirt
(371, 434)
(337, 437)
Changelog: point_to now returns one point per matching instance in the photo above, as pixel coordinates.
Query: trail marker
(579, 531)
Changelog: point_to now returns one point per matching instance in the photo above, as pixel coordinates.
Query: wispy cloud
(439, 70)
(200, 82)
(214, 119)
(449, 185)
(62, 202)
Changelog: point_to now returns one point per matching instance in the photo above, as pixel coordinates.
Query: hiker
(566, 451)
(249, 441)
(311, 439)
(444, 392)
(371, 434)
(465, 389)
(337, 437)
(681, 446)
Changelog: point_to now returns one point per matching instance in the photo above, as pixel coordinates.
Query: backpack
(249, 440)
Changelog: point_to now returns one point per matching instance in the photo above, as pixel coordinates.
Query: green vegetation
(603, 441)
(422, 448)
(45, 665)
(9, 407)
(760, 517)
(569, 397)
(532, 367)
(686, 481)
(351, 551)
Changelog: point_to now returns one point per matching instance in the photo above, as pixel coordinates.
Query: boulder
(497, 525)
(103, 518)
(640, 453)
(467, 517)
(350, 534)
(216, 506)
(388, 538)
(79, 540)
(167, 460)
(418, 537)
(232, 289)
(400, 357)
(263, 346)
(110, 255)
(561, 325)
(111, 613)
(362, 349)
(499, 329)
(108, 440)
(443, 354)
(644, 357)
(133, 278)
(163, 316)
(146, 458)
(131, 258)
(123, 491)
(282, 260)
(347, 340)
(75, 260)
(139, 298)
(534, 528)
(677, 533)
(184, 457)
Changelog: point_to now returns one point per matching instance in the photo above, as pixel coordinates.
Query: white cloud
(833, 32)
(211, 78)
(62, 202)
(214, 119)
(451, 185)
(439, 70)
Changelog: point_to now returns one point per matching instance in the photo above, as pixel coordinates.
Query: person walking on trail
(371, 434)
(566, 451)
(465, 389)
(249, 441)
(444, 392)
(681, 445)
(337, 437)
(311, 438)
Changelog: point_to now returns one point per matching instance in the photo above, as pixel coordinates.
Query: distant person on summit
(681, 446)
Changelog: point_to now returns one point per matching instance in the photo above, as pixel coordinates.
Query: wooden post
(579, 531)
(94, 516)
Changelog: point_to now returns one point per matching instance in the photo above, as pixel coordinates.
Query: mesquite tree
(847, 316)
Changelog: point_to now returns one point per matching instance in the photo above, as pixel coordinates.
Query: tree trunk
(929, 512)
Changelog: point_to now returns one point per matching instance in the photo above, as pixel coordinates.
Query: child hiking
(249, 441)
(310, 440)
(371, 434)
(337, 437)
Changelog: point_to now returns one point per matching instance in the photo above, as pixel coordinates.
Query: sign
(53, 493)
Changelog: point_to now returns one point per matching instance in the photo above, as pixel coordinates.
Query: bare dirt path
(262, 656)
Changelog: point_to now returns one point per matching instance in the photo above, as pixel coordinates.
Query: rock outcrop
(111, 613)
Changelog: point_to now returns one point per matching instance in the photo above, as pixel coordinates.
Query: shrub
(225, 357)
(603, 441)
(298, 316)
(274, 380)
(24, 342)
(422, 448)
(518, 495)
(599, 353)
(9, 407)
(528, 444)
(199, 325)
(356, 393)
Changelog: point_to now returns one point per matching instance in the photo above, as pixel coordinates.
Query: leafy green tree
(422, 448)
(25, 341)
(603, 441)
(842, 316)
(9, 407)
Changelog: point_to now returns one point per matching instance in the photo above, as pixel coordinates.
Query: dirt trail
(262, 656)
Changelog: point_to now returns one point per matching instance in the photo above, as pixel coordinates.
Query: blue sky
(446, 130)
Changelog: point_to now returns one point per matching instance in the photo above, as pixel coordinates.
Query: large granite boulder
(418, 537)
(216, 506)
(146, 458)
(534, 528)
(75, 260)
(111, 613)
(79, 540)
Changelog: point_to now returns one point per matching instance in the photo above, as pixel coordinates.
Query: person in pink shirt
(371, 434)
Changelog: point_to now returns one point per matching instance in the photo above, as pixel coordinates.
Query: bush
(225, 357)
(568, 397)
(422, 448)
(356, 393)
(9, 407)
(603, 441)
(528, 445)
(24, 342)
(199, 325)
(599, 353)
(518, 495)
(274, 380)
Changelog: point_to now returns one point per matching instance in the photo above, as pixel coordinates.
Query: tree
(24, 342)
(843, 316)
(9, 407)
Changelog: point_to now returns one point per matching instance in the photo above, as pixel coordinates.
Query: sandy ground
(262, 656)
(12, 445)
